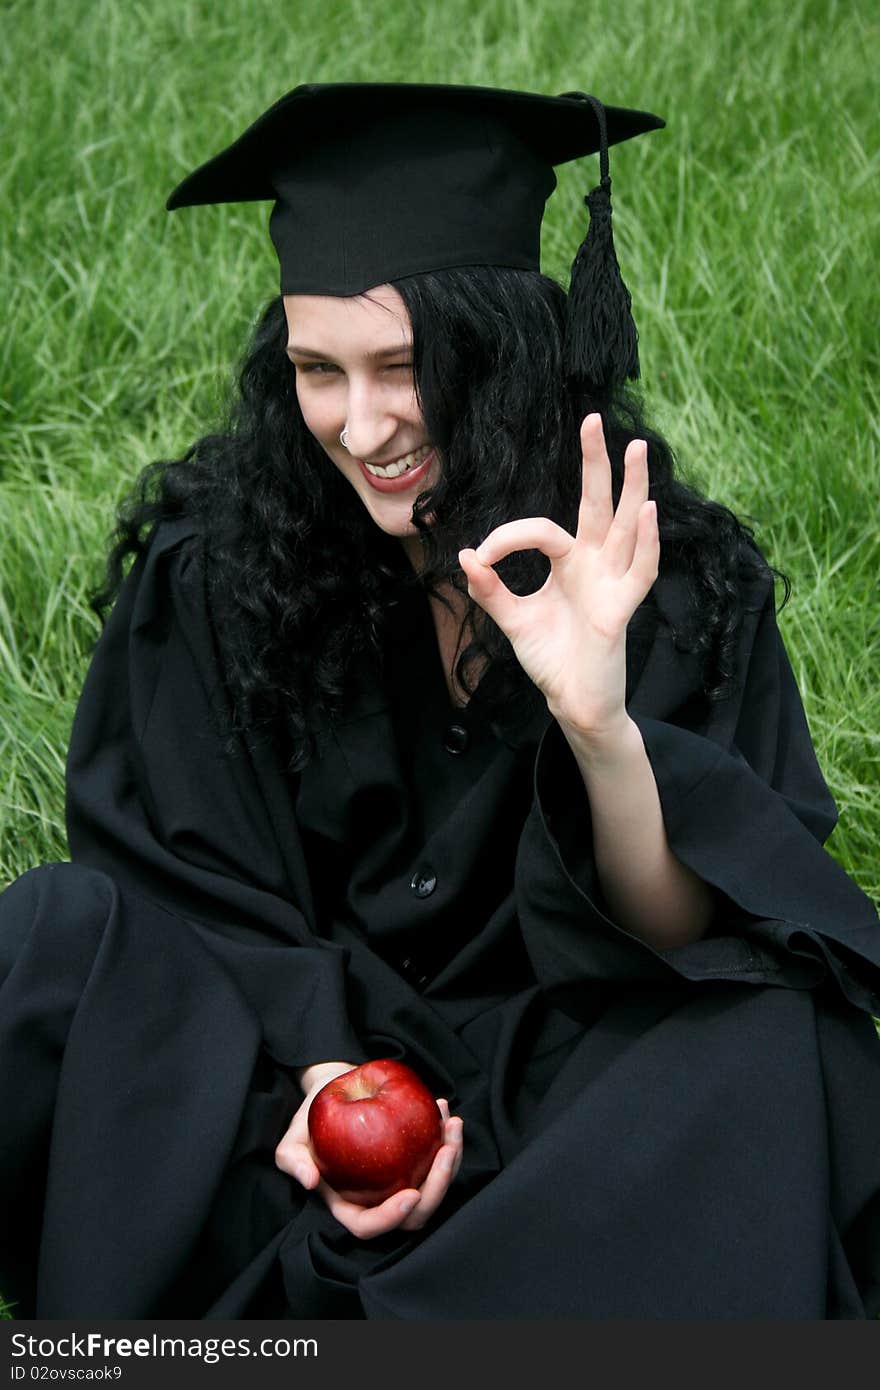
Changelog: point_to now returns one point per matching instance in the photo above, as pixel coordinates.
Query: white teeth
(399, 466)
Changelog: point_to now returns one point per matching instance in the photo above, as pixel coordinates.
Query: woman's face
(353, 360)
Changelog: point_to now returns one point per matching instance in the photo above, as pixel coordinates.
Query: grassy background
(747, 234)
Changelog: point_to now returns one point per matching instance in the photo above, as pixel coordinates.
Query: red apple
(374, 1130)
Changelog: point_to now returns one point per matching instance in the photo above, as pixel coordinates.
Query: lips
(403, 482)
(402, 464)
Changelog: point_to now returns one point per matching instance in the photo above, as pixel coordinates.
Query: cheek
(318, 412)
(407, 406)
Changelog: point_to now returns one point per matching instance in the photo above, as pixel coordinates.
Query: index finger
(596, 510)
(293, 1155)
(296, 1159)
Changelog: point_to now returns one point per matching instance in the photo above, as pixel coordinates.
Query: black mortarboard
(375, 181)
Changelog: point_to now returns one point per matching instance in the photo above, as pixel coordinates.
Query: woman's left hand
(570, 635)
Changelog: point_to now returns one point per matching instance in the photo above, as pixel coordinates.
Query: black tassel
(601, 342)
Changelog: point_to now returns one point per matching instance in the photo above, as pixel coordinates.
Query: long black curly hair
(299, 576)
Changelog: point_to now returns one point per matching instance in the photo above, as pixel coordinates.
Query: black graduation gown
(688, 1134)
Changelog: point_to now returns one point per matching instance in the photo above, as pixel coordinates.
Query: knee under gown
(686, 1134)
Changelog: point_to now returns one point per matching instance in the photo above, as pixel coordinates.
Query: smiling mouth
(401, 465)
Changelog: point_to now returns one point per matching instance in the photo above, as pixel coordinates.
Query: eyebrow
(375, 356)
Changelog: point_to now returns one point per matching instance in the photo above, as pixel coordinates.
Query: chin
(392, 517)
(400, 530)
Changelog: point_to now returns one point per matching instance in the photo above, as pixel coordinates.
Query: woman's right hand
(408, 1209)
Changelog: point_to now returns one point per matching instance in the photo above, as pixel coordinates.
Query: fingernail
(407, 1206)
(447, 1162)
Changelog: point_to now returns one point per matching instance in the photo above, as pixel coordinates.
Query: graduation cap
(376, 181)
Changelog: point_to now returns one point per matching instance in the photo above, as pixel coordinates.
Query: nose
(370, 420)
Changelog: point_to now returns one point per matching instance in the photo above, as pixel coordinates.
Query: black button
(456, 738)
(413, 972)
(424, 881)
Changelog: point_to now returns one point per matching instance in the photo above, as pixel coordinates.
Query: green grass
(746, 230)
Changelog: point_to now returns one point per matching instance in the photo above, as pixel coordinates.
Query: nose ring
(342, 438)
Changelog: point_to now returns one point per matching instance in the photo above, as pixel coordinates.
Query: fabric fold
(160, 800)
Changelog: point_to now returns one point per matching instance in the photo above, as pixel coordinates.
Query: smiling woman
(357, 392)
(436, 720)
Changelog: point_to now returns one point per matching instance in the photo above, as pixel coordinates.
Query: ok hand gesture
(570, 635)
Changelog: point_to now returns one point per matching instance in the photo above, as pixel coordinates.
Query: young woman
(436, 719)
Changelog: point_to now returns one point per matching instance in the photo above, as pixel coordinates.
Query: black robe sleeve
(199, 825)
(745, 806)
